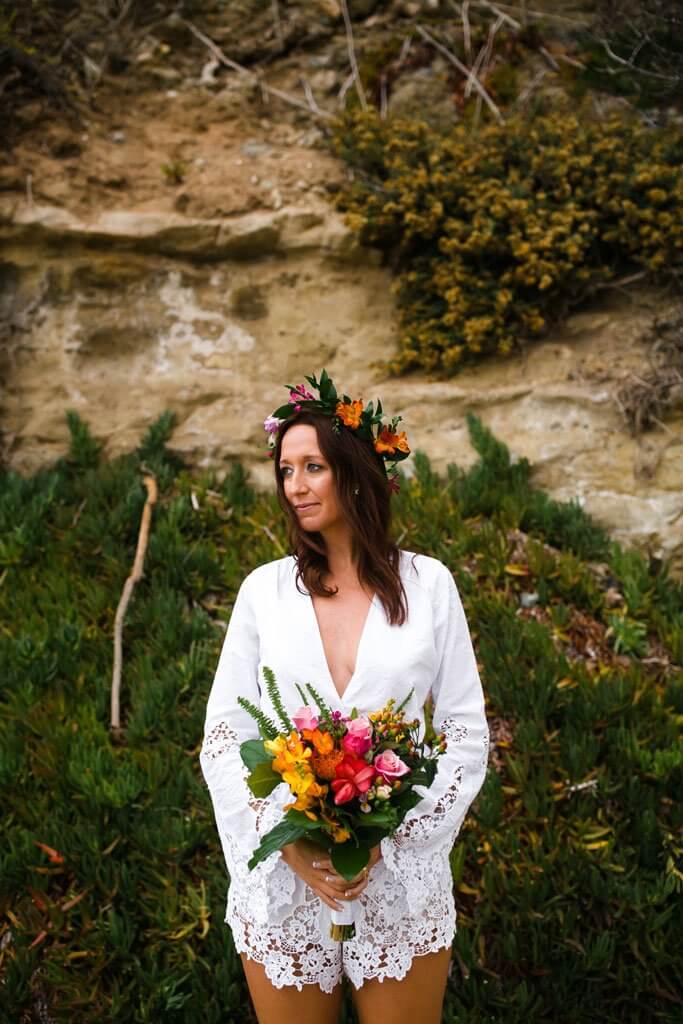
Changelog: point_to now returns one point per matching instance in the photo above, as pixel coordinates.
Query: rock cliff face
(128, 313)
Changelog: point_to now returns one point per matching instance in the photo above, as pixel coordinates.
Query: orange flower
(349, 413)
(339, 834)
(388, 442)
(325, 765)
(322, 741)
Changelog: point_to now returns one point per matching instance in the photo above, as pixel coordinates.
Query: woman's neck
(339, 554)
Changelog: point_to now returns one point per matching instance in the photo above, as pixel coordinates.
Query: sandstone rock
(134, 312)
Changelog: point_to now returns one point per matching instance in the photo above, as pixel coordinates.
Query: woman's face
(308, 480)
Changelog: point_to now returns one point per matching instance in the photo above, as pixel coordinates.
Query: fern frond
(304, 698)
(276, 699)
(405, 701)
(324, 710)
(266, 725)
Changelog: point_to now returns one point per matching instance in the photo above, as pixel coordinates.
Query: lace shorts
(298, 951)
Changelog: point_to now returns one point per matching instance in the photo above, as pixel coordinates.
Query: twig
(29, 189)
(533, 14)
(352, 55)
(278, 24)
(346, 85)
(405, 48)
(219, 55)
(466, 31)
(138, 565)
(310, 97)
(628, 65)
(483, 57)
(466, 71)
(383, 95)
(501, 14)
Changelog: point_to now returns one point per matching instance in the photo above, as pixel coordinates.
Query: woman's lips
(304, 508)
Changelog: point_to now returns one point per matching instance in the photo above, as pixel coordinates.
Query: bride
(362, 620)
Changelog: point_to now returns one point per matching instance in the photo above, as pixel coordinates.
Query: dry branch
(465, 71)
(138, 566)
(220, 56)
(352, 55)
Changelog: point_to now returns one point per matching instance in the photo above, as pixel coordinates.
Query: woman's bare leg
(417, 997)
(274, 1005)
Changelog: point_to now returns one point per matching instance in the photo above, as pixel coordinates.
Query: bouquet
(352, 778)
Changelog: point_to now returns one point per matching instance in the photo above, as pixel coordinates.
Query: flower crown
(366, 423)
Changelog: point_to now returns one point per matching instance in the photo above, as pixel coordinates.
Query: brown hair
(354, 464)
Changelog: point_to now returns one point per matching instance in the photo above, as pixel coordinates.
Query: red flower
(353, 777)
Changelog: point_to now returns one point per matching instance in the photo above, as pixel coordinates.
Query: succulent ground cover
(568, 871)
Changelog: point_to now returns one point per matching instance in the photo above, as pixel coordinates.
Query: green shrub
(568, 870)
(494, 238)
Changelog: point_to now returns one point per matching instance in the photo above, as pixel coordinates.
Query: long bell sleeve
(419, 849)
(241, 818)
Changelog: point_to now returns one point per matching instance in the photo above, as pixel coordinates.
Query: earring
(356, 490)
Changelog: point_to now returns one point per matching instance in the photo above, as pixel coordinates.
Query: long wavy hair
(354, 464)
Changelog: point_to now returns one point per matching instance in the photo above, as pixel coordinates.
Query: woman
(362, 621)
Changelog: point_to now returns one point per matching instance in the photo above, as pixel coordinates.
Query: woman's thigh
(310, 1005)
(417, 997)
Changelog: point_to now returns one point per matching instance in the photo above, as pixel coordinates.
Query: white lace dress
(407, 908)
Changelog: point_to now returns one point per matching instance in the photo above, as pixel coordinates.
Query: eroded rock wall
(133, 312)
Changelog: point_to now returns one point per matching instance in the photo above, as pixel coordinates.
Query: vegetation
(496, 238)
(112, 887)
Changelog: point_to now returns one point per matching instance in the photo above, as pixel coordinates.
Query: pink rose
(358, 739)
(304, 719)
(390, 766)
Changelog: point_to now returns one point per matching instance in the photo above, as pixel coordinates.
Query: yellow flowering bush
(495, 237)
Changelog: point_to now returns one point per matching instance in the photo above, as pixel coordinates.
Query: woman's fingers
(329, 898)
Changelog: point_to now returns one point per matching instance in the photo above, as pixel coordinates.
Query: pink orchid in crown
(300, 394)
(390, 766)
(271, 424)
(354, 777)
(358, 739)
(304, 718)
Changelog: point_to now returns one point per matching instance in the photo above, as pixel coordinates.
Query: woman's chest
(358, 652)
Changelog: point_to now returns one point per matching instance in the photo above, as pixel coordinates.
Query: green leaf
(301, 820)
(283, 412)
(263, 780)
(282, 834)
(349, 860)
(382, 818)
(253, 752)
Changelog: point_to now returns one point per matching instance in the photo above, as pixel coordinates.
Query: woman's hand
(315, 868)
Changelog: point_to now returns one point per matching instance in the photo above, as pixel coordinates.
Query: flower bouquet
(352, 778)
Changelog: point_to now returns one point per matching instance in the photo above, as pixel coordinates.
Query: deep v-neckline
(323, 656)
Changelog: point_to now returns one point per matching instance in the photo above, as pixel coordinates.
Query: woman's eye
(314, 465)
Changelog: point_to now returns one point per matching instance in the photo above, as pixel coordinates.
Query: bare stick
(465, 71)
(484, 56)
(346, 85)
(310, 97)
(219, 55)
(138, 565)
(530, 13)
(405, 49)
(278, 23)
(352, 55)
(466, 31)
